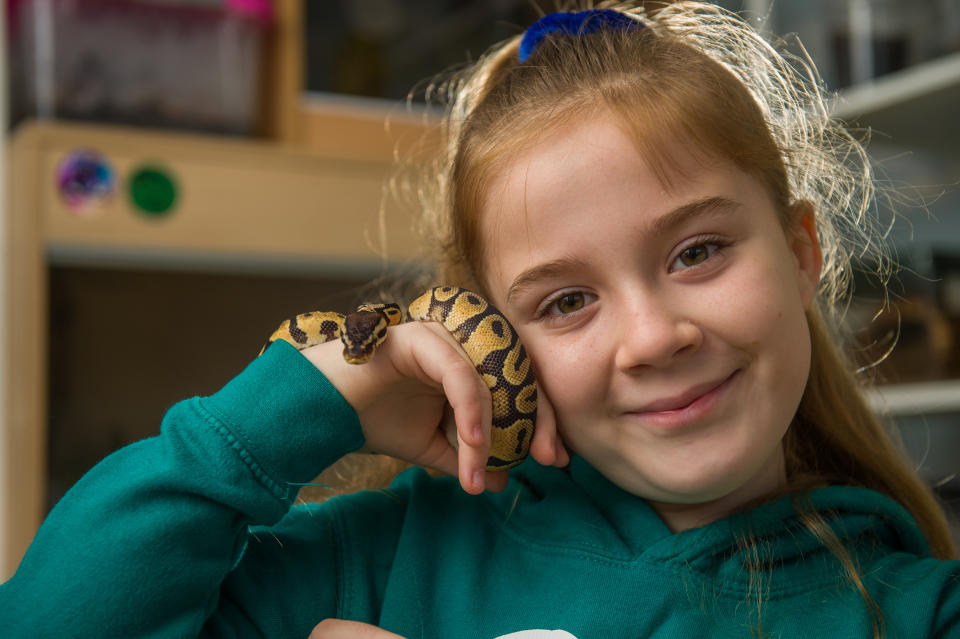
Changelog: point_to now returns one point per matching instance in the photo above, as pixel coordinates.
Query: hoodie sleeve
(142, 544)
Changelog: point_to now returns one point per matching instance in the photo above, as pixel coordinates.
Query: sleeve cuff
(286, 416)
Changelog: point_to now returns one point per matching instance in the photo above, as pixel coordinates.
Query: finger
(468, 397)
(495, 482)
(546, 447)
(342, 629)
(542, 448)
(471, 406)
(563, 456)
(470, 402)
(472, 457)
(440, 455)
(449, 426)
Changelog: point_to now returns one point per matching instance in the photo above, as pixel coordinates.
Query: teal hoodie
(194, 533)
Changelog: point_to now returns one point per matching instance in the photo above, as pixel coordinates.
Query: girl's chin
(717, 497)
(682, 511)
(724, 490)
(681, 498)
(672, 492)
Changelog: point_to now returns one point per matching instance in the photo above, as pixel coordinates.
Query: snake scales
(482, 331)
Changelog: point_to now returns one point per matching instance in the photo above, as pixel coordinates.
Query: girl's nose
(654, 334)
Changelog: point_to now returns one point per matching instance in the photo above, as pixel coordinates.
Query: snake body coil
(485, 335)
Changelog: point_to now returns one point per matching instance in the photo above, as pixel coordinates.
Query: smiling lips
(673, 412)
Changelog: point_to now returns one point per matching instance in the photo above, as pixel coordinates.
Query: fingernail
(478, 478)
(478, 433)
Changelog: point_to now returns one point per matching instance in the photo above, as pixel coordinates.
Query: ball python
(483, 332)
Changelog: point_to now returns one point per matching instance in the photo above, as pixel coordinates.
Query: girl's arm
(150, 541)
(141, 545)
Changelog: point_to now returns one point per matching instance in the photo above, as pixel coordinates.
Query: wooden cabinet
(240, 207)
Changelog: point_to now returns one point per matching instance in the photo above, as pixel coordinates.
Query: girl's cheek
(753, 301)
(567, 370)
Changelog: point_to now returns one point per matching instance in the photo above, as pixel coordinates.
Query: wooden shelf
(920, 398)
(239, 202)
(916, 110)
(242, 206)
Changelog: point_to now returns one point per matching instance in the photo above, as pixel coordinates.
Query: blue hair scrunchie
(574, 23)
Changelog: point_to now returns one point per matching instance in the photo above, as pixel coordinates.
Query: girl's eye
(569, 303)
(693, 255)
(697, 254)
(563, 304)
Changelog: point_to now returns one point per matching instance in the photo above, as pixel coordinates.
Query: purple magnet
(85, 181)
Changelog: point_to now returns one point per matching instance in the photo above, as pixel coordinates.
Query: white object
(538, 634)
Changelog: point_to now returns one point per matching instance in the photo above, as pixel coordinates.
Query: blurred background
(180, 175)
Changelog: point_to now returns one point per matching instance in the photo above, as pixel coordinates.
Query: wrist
(357, 384)
(286, 415)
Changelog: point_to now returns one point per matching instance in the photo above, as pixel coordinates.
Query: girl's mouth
(686, 408)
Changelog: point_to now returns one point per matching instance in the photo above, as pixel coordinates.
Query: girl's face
(666, 324)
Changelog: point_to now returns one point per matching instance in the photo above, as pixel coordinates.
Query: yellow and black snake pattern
(483, 332)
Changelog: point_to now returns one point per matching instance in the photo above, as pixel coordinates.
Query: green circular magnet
(153, 191)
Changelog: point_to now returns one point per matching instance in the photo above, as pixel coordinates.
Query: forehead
(600, 143)
(586, 168)
(583, 188)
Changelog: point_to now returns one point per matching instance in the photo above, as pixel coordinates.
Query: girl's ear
(805, 245)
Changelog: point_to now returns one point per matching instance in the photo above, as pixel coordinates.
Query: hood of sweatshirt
(594, 515)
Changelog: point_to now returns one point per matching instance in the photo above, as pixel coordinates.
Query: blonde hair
(498, 105)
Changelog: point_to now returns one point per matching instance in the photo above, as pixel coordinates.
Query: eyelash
(717, 242)
(543, 312)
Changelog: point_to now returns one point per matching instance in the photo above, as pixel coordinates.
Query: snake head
(363, 332)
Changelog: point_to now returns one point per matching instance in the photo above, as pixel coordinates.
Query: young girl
(660, 206)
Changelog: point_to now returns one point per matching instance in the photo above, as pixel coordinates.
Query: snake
(483, 332)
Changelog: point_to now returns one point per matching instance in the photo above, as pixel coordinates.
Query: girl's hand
(401, 398)
(340, 629)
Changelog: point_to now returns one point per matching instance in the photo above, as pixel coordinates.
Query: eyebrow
(703, 207)
(542, 271)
